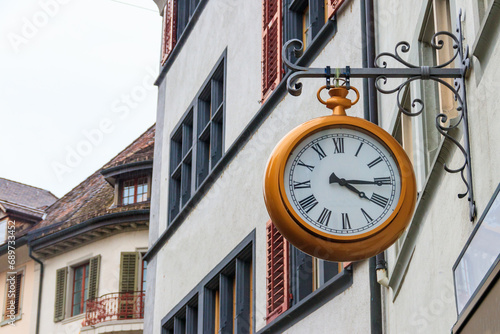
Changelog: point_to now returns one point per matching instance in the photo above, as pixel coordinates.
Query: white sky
(70, 69)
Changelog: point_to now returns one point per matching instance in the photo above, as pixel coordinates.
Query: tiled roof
(142, 149)
(19, 193)
(94, 196)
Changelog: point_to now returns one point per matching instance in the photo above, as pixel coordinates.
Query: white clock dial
(342, 181)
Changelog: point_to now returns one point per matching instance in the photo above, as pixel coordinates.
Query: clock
(340, 188)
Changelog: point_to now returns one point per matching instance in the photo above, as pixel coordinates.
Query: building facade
(22, 207)
(81, 261)
(217, 263)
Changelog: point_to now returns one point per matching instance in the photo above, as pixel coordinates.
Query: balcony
(124, 309)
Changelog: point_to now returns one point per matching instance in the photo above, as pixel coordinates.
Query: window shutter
(17, 296)
(333, 6)
(60, 300)
(278, 300)
(94, 270)
(129, 266)
(272, 31)
(169, 29)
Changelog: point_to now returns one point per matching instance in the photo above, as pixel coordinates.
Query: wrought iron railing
(114, 306)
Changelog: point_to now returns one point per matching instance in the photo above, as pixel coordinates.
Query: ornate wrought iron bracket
(410, 72)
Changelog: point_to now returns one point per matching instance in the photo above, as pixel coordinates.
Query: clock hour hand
(342, 182)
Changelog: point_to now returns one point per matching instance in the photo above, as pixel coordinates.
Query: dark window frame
(197, 141)
(135, 179)
(302, 274)
(84, 286)
(293, 11)
(202, 294)
(185, 12)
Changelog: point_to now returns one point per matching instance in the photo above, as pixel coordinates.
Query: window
(184, 321)
(134, 190)
(284, 20)
(144, 273)
(176, 16)
(196, 145)
(222, 302)
(169, 29)
(291, 274)
(83, 285)
(304, 19)
(14, 292)
(80, 292)
(227, 293)
(3, 230)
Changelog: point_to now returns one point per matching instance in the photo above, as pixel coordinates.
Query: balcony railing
(114, 306)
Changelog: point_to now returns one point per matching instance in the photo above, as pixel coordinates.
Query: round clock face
(342, 181)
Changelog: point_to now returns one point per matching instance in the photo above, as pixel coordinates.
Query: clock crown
(338, 101)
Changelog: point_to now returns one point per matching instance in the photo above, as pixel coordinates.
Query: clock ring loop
(338, 97)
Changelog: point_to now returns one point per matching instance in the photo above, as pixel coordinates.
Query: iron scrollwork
(409, 72)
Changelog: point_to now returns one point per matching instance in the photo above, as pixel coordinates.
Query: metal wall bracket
(410, 72)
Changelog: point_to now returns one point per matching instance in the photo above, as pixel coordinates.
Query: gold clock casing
(318, 243)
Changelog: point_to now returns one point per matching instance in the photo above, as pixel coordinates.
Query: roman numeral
(301, 185)
(308, 203)
(374, 162)
(300, 163)
(324, 217)
(339, 145)
(379, 200)
(345, 221)
(367, 216)
(382, 180)
(319, 150)
(359, 149)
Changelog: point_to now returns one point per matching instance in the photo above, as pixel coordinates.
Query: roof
(25, 195)
(142, 149)
(94, 197)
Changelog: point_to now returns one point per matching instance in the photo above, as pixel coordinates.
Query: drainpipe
(39, 288)
(371, 114)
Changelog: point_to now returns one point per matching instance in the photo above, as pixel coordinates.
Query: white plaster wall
(346, 313)
(234, 206)
(110, 249)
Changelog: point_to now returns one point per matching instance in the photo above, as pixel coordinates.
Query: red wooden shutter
(278, 295)
(169, 29)
(272, 31)
(333, 6)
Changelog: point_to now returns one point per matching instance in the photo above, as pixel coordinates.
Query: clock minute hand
(378, 183)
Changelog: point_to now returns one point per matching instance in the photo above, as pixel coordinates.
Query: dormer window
(134, 190)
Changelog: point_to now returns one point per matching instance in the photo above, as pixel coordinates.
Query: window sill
(80, 316)
(311, 303)
(8, 321)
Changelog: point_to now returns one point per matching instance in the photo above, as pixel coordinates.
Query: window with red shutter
(278, 296)
(291, 274)
(272, 41)
(169, 29)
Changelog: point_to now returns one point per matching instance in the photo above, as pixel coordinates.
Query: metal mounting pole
(411, 72)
